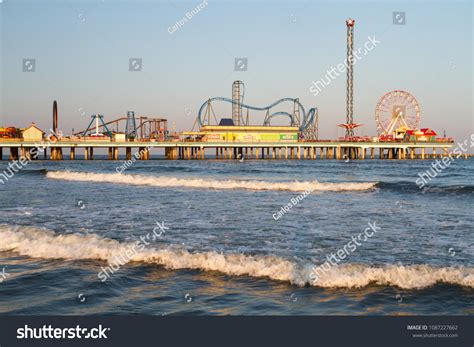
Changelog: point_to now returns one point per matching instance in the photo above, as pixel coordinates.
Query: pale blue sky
(82, 51)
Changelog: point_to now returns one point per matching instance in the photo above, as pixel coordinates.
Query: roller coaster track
(308, 119)
(143, 123)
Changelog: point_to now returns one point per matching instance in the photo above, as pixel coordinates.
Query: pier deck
(237, 150)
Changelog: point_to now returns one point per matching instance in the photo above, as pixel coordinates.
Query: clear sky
(82, 51)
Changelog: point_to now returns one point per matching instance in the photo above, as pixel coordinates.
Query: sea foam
(203, 183)
(43, 243)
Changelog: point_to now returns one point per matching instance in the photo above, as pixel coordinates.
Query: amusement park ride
(307, 122)
(397, 117)
(350, 125)
(396, 112)
(148, 128)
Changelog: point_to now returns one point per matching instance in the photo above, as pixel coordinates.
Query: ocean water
(215, 238)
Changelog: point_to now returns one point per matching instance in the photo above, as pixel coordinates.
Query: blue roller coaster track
(308, 119)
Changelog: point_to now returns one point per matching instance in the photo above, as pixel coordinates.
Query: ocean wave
(32, 172)
(164, 181)
(429, 188)
(43, 243)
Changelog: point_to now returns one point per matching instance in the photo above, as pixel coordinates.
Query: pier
(61, 150)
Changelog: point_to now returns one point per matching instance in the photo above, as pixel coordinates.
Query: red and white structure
(397, 109)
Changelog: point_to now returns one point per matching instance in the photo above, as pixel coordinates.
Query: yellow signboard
(248, 136)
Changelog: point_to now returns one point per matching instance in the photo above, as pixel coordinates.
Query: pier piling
(271, 151)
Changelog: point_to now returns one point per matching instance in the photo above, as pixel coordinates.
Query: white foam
(164, 181)
(44, 243)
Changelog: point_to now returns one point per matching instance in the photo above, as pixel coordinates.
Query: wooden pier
(229, 151)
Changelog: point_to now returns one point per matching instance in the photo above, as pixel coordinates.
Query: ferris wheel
(397, 109)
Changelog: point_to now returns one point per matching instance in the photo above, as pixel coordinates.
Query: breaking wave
(411, 187)
(164, 181)
(32, 172)
(43, 243)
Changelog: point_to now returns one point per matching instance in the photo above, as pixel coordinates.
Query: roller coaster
(147, 128)
(306, 122)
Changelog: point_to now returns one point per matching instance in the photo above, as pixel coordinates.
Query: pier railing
(313, 150)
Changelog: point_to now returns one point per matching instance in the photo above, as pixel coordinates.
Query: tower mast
(350, 74)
